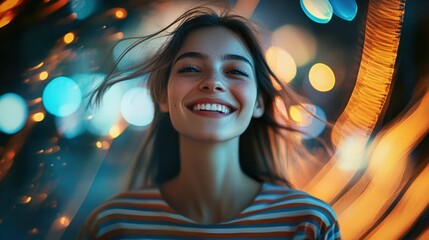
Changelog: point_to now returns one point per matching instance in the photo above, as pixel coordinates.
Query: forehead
(215, 42)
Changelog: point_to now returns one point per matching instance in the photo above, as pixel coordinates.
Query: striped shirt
(277, 212)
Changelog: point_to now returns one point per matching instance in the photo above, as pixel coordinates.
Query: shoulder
(146, 199)
(138, 204)
(297, 208)
(294, 199)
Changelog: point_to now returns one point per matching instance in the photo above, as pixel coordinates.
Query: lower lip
(210, 114)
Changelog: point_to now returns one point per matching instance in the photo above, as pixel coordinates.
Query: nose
(213, 83)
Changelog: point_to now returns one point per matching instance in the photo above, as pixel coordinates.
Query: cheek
(176, 93)
(246, 93)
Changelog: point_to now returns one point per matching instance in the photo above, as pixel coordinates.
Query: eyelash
(240, 72)
(188, 69)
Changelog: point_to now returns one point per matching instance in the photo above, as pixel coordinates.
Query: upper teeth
(211, 107)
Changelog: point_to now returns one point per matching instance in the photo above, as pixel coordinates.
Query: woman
(211, 156)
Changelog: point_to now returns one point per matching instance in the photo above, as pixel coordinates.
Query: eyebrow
(203, 56)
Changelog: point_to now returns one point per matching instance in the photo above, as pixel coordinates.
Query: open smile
(211, 107)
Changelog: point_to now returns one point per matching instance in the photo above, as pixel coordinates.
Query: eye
(188, 69)
(238, 72)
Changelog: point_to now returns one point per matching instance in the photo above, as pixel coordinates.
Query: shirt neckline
(191, 221)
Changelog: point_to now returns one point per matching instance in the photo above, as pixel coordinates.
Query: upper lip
(211, 101)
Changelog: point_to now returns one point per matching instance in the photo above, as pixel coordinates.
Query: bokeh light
(83, 8)
(38, 117)
(72, 125)
(137, 107)
(107, 113)
(62, 96)
(302, 114)
(116, 130)
(299, 42)
(316, 125)
(120, 13)
(282, 63)
(43, 75)
(24, 199)
(351, 153)
(345, 9)
(321, 77)
(64, 221)
(69, 38)
(319, 11)
(13, 113)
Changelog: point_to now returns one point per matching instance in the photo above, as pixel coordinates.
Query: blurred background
(364, 66)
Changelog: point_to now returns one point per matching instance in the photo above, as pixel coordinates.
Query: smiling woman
(220, 178)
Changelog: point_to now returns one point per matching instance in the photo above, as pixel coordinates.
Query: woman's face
(212, 89)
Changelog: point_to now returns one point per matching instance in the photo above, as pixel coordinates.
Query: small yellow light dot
(64, 221)
(38, 117)
(295, 114)
(43, 75)
(121, 13)
(98, 144)
(69, 37)
(302, 114)
(25, 199)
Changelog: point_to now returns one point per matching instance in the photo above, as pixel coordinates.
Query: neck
(209, 187)
(209, 168)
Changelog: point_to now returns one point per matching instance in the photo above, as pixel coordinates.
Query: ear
(259, 107)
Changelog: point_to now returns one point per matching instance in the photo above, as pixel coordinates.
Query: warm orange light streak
(402, 217)
(37, 66)
(385, 172)
(330, 180)
(34, 101)
(8, 4)
(373, 83)
(51, 8)
(383, 24)
(6, 19)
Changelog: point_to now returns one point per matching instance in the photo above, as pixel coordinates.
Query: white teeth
(211, 107)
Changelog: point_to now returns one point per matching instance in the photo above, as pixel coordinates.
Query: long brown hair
(268, 143)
